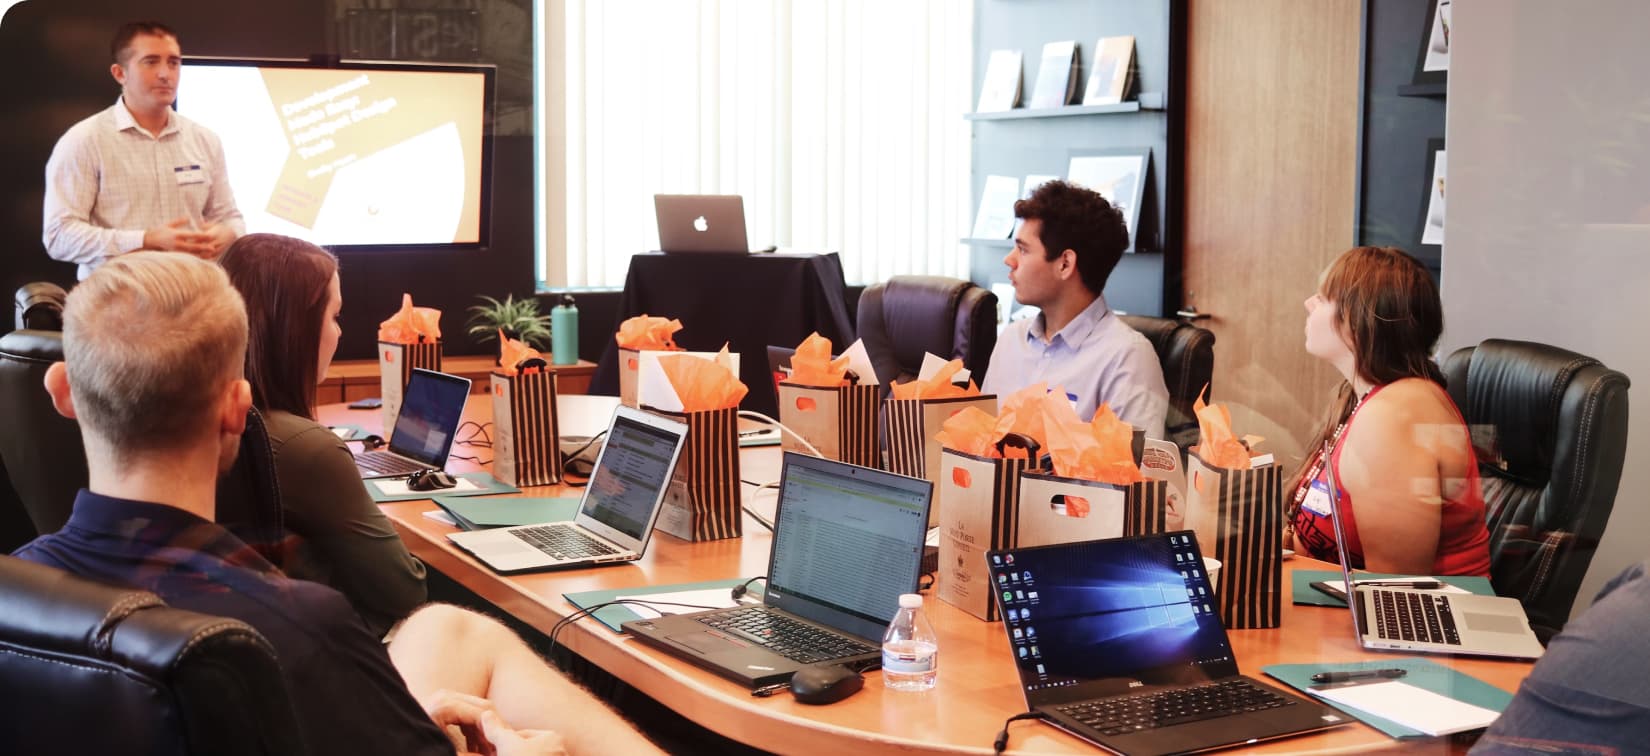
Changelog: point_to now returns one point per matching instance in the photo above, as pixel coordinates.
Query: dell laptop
(1118, 642)
(847, 541)
(701, 223)
(1428, 621)
(616, 515)
(431, 407)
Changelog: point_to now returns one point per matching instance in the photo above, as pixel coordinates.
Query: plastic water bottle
(910, 650)
(564, 332)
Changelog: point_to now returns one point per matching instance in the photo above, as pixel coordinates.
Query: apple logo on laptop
(699, 224)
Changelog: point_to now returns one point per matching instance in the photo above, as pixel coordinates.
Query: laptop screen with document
(633, 469)
(847, 542)
(1098, 618)
(431, 407)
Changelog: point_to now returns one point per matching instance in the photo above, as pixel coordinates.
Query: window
(839, 122)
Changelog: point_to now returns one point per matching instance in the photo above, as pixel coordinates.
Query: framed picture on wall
(1119, 175)
(1432, 65)
(1432, 208)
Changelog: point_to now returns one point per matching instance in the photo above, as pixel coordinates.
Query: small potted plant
(518, 318)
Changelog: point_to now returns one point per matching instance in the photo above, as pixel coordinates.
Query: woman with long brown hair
(293, 299)
(1401, 454)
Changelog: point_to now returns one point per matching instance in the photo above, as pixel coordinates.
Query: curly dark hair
(1082, 221)
(119, 47)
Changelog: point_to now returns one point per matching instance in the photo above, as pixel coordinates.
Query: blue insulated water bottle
(564, 332)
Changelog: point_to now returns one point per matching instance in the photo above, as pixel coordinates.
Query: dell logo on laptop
(1136, 684)
(699, 224)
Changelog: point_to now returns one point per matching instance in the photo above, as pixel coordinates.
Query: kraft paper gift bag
(1157, 504)
(1237, 515)
(526, 440)
(1055, 510)
(978, 499)
(702, 502)
(841, 421)
(641, 333)
(912, 425)
(395, 365)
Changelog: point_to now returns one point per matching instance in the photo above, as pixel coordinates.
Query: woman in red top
(1409, 489)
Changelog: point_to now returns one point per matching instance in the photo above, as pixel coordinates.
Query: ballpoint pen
(1361, 674)
(1425, 585)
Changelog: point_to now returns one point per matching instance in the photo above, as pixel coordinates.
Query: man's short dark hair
(1082, 221)
(122, 43)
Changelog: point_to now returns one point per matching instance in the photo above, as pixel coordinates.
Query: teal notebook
(1303, 592)
(488, 485)
(614, 616)
(480, 513)
(1422, 674)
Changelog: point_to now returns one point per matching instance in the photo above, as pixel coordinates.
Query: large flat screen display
(353, 154)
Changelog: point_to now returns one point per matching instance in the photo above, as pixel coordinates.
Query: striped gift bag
(979, 511)
(526, 451)
(703, 500)
(395, 365)
(1238, 518)
(840, 421)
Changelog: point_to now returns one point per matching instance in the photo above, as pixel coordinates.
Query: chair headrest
(51, 609)
(1519, 388)
(40, 306)
(31, 346)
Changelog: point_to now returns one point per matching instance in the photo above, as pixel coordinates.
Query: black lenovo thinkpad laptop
(847, 541)
(1118, 642)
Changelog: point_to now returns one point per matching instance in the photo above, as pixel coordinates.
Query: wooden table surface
(977, 688)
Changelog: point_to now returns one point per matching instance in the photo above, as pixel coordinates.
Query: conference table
(977, 688)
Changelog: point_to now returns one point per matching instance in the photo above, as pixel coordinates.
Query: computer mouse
(825, 683)
(430, 480)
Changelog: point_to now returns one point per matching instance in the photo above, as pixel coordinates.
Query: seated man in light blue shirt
(1065, 250)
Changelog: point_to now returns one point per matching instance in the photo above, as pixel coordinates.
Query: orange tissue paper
(1220, 446)
(812, 364)
(937, 387)
(703, 384)
(512, 353)
(648, 333)
(411, 325)
(971, 431)
(1100, 450)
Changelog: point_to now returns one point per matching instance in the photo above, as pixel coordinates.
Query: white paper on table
(995, 219)
(709, 598)
(398, 487)
(343, 432)
(653, 387)
(859, 361)
(931, 364)
(1410, 706)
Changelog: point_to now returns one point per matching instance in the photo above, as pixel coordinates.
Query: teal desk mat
(614, 616)
(352, 432)
(488, 483)
(1422, 674)
(1301, 585)
(480, 512)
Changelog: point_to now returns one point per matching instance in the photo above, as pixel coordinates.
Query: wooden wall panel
(1271, 151)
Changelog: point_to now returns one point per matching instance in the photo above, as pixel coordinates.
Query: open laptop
(701, 223)
(847, 541)
(431, 407)
(616, 515)
(1118, 642)
(1409, 619)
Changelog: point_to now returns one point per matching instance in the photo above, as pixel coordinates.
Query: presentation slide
(347, 156)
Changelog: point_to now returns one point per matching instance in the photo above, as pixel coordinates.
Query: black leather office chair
(42, 454)
(1188, 356)
(907, 316)
(90, 668)
(1556, 426)
(39, 306)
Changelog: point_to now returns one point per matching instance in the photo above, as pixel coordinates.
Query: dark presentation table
(747, 301)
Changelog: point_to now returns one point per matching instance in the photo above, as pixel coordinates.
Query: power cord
(749, 415)
(478, 437)
(555, 630)
(1001, 743)
(921, 586)
(572, 465)
(741, 589)
(755, 515)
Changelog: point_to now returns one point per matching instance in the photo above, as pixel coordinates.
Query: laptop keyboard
(563, 542)
(1148, 711)
(385, 463)
(1415, 617)
(797, 641)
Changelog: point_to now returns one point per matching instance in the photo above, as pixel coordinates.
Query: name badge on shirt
(189, 174)
(1317, 499)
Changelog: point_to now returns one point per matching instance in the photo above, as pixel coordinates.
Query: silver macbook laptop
(616, 515)
(701, 223)
(1429, 621)
(431, 408)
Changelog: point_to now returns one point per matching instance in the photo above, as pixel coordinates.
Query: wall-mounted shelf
(1004, 243)
(1146, 101)
(1436, 89)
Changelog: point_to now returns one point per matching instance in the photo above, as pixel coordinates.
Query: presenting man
(1064, 252)
(138, 175)
(154, 346)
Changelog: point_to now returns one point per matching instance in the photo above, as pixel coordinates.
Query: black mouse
(430, 480)
(825, 683)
